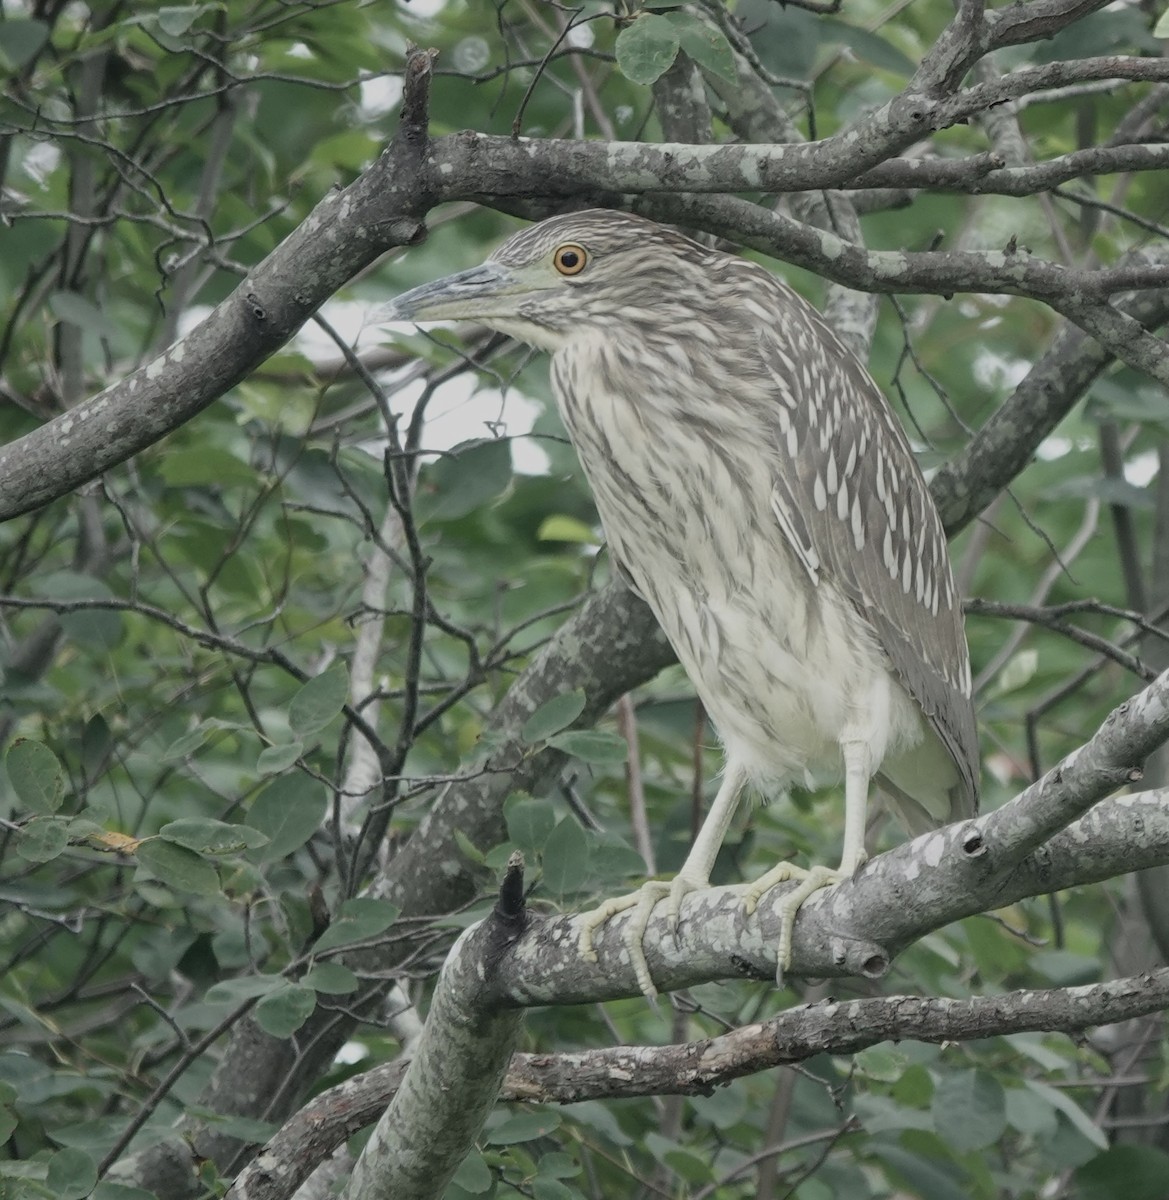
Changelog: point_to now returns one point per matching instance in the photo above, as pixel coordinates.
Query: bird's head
(551, 281)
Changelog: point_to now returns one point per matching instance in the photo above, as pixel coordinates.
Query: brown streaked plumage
(757, 490)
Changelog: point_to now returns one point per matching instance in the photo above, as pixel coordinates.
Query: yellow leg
(694, 876)
(857, 772)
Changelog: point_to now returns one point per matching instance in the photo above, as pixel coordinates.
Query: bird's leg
(857, 773)
(694, 876)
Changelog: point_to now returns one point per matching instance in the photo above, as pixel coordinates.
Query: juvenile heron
(757, 490)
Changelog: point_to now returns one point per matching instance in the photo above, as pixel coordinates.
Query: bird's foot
(810, 880)
(643, 902)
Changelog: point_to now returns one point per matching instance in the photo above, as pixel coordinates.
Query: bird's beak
(474, 295)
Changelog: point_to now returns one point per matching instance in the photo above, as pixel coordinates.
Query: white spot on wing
(806, 554)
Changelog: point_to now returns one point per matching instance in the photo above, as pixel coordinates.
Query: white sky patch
(1142, 470)
(997, 371)
(427, 8)
(39, 161)
(352, 1052)
(1058, 445)
(1053, 447)
(457, 412)
(379, 96)
(581, 36)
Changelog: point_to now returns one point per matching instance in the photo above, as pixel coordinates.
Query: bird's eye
(570, 259)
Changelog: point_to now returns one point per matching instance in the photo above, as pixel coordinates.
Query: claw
(643, 902)
(809, 881)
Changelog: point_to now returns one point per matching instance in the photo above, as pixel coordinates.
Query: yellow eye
(570, 259)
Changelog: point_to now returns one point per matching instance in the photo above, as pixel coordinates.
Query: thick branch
(346, 231)
(986, 173)
(860, 925)
(792, 1036)
(1004, 445)
(610, 646)
(452, 1083)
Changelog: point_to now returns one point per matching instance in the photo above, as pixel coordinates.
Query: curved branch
(1004, 445)
(695, 1068)
(346, 231)
(987, 173)
(858, 926)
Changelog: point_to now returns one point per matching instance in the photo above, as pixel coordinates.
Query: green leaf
(882, 1062)
(319, 700)
(524, 1127)
(1064, 968)
(73, 309)
(1029, 1114)
(243, 1128)
(469, 850)
(561, 528)
(1134, 1172)
(176, 19)
(360, 919)
(96, 742)
(611, 859)
(205, 466)
(42, 839)
(592, 746)
(529, 821)
(969, 1110)
(707, 46)
(474, 1175)
(37, 778)
(646, 49)
(1070, 1109)
(288, 811)
(189, 742)
(937, 1180)
(274, 759)
(1117, 492)
(178, 867)
(331, 978)
(285, 1010)
(1161, 29)
(691, 1166)
(209, 836)
(94, 628)
(544, 1188)
(566, 858)
(464, 479)
(20, 41)
(246, 987)
(558, 1165)
(8, 1122)
(553, 715)
(72, 1174)
(864, 44)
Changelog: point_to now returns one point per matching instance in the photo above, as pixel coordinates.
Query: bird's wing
(851, 501)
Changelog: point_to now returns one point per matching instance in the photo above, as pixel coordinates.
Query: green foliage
(36, 775)
(552, 716)
(184, 840)
(647, 47)
(358, 920)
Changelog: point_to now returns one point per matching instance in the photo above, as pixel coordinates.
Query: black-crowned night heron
(756, 488)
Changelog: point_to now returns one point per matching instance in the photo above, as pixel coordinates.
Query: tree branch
(860, 925)
(454, 1078)
(696, 1068)
(1005, 444)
